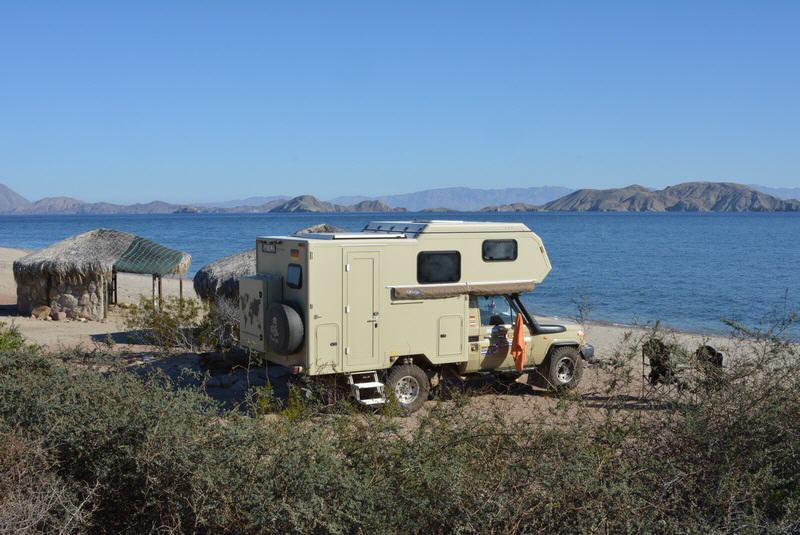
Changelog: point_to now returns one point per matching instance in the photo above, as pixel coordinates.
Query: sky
(203, 101)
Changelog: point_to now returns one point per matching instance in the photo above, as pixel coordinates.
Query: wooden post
(104, 284)
(116, 296)
(160, 294)
(180, 287)
(154, 288)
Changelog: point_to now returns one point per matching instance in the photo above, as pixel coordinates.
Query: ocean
(689, 271)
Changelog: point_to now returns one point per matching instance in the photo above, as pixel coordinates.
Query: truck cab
(492, 319)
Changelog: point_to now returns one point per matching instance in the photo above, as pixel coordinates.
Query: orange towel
(518, 349)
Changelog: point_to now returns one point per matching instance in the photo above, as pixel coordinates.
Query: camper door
(362, 320)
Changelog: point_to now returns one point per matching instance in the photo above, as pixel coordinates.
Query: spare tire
(284, 329)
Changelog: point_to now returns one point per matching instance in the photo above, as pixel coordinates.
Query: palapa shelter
(78, 275)
(221, 277)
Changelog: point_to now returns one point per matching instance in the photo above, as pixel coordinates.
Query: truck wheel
(284, 329)
(410, 385)
(562, 370)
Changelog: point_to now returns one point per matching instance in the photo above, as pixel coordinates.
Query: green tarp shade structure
(149, 258)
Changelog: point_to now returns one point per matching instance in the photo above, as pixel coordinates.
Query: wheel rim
(406, 390)
(565, 370)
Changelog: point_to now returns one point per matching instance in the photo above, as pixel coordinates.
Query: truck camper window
(294, 276)
(495, 310)
(438, 267)
(499, 250)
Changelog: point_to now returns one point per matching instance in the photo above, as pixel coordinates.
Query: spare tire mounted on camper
(284, 328)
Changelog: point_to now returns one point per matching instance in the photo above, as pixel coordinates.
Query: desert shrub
(184, 324)
(10, 337)
(145, 456)
(172, 324)
(220, 329)
(33, 497)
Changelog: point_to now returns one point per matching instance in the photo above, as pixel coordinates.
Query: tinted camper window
(294, 276)
(438, 267)
(499, 250)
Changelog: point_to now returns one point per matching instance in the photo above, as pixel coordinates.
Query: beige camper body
(422, 292)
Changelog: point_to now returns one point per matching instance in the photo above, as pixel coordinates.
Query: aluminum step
(366, 387)
(372, 384)
(373, 401)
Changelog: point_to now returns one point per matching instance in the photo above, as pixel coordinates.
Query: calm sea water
(688, 270)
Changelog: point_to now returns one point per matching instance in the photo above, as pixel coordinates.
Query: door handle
(442, 336)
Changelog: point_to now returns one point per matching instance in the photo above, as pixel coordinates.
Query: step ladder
(366, 387)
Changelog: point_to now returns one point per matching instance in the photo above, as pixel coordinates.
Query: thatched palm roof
(99, 252)
(221, 278)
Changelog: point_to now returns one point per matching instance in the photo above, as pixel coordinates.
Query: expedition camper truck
(399, 302)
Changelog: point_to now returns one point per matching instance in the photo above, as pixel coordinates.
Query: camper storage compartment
(255, 295)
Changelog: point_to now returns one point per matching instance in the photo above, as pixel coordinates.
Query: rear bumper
(587, 352)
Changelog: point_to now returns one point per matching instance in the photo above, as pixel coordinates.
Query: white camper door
(362, 321)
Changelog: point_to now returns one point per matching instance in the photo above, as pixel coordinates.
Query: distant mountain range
(687, 197)
(511, 207)
(438, 200)
(781, 193)
(463, 199)
(308, 203)
(238, 203)
(13, 203)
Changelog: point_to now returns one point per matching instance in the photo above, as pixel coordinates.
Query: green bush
(171, 324)
(141, 455)
(184, 324)
(10, 337)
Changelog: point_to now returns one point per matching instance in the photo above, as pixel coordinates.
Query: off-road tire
(410, 385)
(561, 371)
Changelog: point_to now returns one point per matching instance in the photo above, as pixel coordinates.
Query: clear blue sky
(203, 101)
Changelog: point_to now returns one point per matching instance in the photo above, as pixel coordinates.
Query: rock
(68, 301)
(41, 312)
(58, 316)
